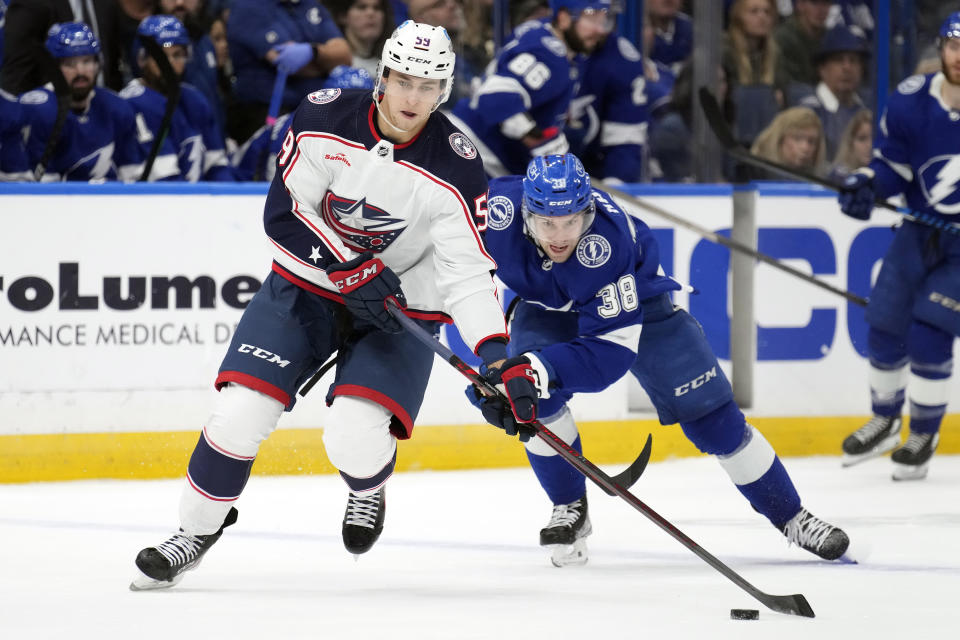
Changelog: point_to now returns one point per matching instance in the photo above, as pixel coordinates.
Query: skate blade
(884, 446)
(144, 582)
(903, 472)
(570, 555)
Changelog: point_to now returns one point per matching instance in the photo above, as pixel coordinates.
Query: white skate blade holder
(910, 472)
(145, 583)
(569, 555)
(885, 445)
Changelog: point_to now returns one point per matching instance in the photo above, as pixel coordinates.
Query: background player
(587, 278)
(520, 108)
(913, 310)
(356, 177)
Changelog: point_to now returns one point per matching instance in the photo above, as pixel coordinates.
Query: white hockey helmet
(419, 50)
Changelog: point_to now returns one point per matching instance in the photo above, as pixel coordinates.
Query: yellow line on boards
(142, 456)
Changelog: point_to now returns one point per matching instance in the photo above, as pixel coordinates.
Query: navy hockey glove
(516, 379)
(856, 195)
(366, 284)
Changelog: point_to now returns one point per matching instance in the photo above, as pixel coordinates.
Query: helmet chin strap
(386, 119)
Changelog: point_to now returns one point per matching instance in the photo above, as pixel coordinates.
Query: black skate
(879, 435)
(912, 460)
(566, 533)
(163, 566)
(363, 520)
(816, 536)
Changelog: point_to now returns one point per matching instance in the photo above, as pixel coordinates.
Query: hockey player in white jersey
(374, 200)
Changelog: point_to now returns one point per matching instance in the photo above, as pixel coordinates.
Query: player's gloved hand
(366, 284)
(856, 195)
(293, 56)
(553, 141)
(517, 380)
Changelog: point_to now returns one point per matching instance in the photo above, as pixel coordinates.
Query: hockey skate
(816, 536)
(566, 533)
(879, 435)
(163, 566)
(912, 460)
(363, 520)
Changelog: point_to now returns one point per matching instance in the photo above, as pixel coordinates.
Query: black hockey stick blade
(629, 476)
(714, 116)
(796, 604)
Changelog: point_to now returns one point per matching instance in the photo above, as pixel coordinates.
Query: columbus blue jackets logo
(593, 251)
(940, 181)
(323, 96)
(462, 145)
(361, 226)
(500, 212)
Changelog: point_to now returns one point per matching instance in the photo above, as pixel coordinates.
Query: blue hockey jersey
(193, 148)
(918, 148)
(255, 159)
(98, 144)
(13, 157)
(609, 117)
(615, 266)
(532, 77)
(675, 44)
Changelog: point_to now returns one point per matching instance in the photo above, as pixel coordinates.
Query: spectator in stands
(795, 140)
(840, 62)
(751, 54)
(13, 157)
(201, 70)
(191, 147)
(672, 32)
(856, 146)
(798, 37)
(366, 24)
(87, 133)
(26, 26)
(298, 38)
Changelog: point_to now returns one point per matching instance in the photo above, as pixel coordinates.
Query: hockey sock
(888, 372)
(559, 479)
(931, 363)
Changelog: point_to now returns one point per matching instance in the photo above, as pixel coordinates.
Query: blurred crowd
(96, 90)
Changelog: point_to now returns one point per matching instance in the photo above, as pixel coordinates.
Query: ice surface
(459, 559)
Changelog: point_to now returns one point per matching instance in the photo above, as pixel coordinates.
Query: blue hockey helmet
(166, 31)
(557, 185)
(68, 39)
(576, 6)
(344, 77)
(950, 27)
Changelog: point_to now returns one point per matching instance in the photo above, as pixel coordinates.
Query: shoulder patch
(36, 96)
(911, 85)
(324, 96)
(500, 211)
(554, 46)
(132, 90)
(627, 50)
(463, 146)
(593, 251)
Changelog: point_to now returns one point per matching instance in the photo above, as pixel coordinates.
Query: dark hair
(339, 8)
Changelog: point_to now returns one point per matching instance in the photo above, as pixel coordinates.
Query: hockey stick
(170, 78)
(714, 116)
(276, 98)
(62, 92)
(795, 604)
(733, 244)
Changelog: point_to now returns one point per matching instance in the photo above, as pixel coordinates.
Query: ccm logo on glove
(347, 281)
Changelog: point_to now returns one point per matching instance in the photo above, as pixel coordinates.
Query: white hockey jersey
(341, 189)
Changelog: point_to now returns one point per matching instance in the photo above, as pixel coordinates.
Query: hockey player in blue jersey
(587, 280)
(97, 140)
(376, 198)
(254, 160)
(609, 117)
(913, 312)
(519, 110)
(193, 148)
(13, 157)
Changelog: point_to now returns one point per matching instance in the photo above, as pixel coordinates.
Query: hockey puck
(744, 614)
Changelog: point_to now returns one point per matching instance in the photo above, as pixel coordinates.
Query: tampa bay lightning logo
(940, 181)
(593, 251)
(361, 226)
(500, 212)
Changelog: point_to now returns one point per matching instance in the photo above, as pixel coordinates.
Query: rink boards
(117, 303)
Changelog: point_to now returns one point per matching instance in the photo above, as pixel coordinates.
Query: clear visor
(558, 229)
(601, 19)
(411, 90)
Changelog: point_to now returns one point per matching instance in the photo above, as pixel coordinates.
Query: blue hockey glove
(856, 195)
(366, 284)
(293, 56)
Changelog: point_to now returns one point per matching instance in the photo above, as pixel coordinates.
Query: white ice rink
(459, 559)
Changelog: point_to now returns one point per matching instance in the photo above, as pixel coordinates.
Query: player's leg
(374, 400)
(680, 373)
(272, 352)
(532, 327)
